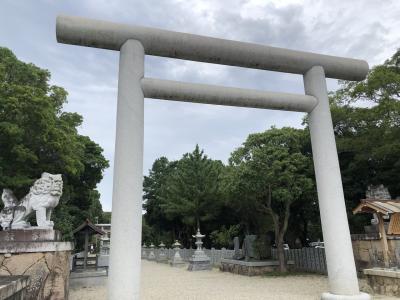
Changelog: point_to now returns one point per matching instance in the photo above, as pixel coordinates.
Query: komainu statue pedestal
(39, 254)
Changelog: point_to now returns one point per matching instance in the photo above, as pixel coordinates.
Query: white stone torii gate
(134, 42)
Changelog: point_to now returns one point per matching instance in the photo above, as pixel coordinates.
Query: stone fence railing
(214, 254)
(305, 259)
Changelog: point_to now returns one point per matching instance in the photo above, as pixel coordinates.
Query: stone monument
(199, 260)
(177, 260)
(35, 251)
(377, 192)
(236, 246)
(248, 247)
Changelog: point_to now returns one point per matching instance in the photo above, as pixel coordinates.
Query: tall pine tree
(192, 190)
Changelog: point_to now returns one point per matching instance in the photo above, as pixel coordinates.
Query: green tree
(224, 236)
(153, 185)
(241, 203)
(37, 136)
(366, 117)
(271, 174)
(105, 217)
(191, 192)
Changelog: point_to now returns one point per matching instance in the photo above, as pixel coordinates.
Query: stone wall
(13, 287)
(384, 281)
(251, 268)
(48, 272)
(368, 253)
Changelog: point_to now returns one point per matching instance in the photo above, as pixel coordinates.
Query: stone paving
(160, 281)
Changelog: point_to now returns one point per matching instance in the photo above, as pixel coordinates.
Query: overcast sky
(364, 29)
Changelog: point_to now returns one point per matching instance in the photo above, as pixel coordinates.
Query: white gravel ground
(160, 281)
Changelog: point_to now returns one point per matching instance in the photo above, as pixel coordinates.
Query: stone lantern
(144, 252)
(177, 260)
(162, 254)
(199, 260)
(151, 254)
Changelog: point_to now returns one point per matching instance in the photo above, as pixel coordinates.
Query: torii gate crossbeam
(134, 42)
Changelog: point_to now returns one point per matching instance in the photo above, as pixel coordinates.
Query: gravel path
(160, 281)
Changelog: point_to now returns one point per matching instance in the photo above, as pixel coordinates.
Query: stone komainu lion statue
(42, 198)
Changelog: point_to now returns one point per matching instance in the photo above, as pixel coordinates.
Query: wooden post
(86, 248)
(383, 240)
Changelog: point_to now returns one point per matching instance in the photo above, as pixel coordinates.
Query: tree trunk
(280, 227)
(279, 234)
(281, 253)
(305, 231)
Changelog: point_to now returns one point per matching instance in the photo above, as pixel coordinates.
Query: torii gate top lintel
(158, 42)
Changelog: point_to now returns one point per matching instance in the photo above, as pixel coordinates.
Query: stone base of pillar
(162, 258)
(361, 296)
(177, 260)
(199, 265)
(151, 256)
(199, 261)
(177, 263)
(144, 253)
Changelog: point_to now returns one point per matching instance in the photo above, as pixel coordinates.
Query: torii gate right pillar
(342, 273)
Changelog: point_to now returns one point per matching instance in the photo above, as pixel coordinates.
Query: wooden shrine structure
(383, 209)
(88, 229)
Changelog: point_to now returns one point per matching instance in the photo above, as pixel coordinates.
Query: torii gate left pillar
(125, 254)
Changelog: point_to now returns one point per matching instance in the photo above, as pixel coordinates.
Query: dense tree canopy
(182, 195)
(156, 224)
(233, 200)
(36, 135)
(192, 189)
(366, 117)
(272, 173)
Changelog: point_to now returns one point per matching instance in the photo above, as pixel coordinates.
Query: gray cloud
(363, 29)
